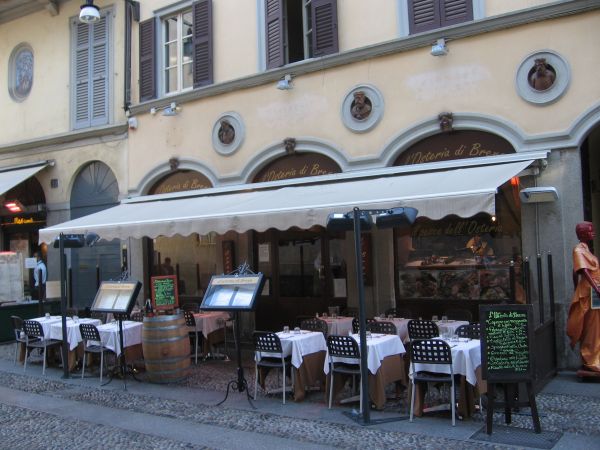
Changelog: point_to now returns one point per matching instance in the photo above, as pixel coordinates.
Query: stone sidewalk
(51, 412)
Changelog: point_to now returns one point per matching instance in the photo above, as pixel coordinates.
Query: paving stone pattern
(559, 413)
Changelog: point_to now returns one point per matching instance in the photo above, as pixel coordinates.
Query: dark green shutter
(325, 27)
(147, 60)
(274, 34)
(202, 39)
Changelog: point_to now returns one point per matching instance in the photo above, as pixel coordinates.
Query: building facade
(233, 100)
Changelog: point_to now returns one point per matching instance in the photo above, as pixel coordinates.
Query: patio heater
(358, 220)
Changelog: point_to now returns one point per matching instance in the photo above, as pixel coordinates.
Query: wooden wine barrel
(166, 347)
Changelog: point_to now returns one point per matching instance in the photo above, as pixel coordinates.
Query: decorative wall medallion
(228, 133)
(362, 108)
(20, 72)
(543, 77)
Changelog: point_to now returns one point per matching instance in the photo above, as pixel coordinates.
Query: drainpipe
(132, 12)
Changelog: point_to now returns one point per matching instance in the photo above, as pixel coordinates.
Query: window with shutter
(299, 29)
(425, 15)
(203, 53)
(91, 69)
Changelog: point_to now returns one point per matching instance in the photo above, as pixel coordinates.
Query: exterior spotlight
(439, 48)
(285, 84)
(345, 222)
(89, 13)
(14, 206)
(402, 217)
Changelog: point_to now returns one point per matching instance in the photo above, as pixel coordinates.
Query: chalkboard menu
(164, 292)
(506, 342)
(232, 292)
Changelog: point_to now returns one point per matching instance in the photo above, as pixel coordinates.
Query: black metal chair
(422, 329)
(92, 343)
(471, 331)
(98, 315)
(34, 338)
(314, 324)
(356, 324)
(269, 355)
(459, 314)
(190, 321)
(431, 351)
(342, 347)
(137, 316)
(17, 324)
(382, 327)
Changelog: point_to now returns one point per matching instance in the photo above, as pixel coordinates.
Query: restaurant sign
(182, 180)
(456, 145)
(297, 165)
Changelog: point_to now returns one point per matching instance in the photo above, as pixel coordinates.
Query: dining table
(307, 350)
(466, 362)
(132, 338)
(339, 325)
(385, 365)
(211, 325)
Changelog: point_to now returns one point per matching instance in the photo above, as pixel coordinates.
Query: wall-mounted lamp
(89, 13)
(168, 110)
(538, 194)
(14, 206)
(285, 84)
(439, 48)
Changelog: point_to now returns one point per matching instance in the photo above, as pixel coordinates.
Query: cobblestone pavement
(22, 428)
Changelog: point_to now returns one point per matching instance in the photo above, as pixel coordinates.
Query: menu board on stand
(506, 355)
(164, 291)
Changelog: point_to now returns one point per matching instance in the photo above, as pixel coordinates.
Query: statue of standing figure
(583, 323)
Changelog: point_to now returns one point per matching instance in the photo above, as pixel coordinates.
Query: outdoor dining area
(410, 362)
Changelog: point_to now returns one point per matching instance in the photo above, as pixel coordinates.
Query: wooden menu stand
(509, 403)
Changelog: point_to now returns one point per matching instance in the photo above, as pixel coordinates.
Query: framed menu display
(232, 292)
(116, 296)
(164, 292)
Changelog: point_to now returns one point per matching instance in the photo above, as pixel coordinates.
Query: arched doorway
(306, 269)
(192, 258)
(590, 178)
(95, 188)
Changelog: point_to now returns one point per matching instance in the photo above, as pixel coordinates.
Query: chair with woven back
(344, 358)
(92, 343)
(314, 324)
(98, 315)
(356, 324)
(190, 306)
(431, 351)
(422, 329)
(137, 316)
(471, 331)
(34, 338)
(269, 355)
(17, 324)
(190, 322)
(382, 327)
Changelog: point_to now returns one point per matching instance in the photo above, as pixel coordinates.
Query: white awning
(463, 192)
(11, 178)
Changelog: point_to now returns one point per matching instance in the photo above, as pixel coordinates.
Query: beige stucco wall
(476, 77)
(496, 7)
(46, 111)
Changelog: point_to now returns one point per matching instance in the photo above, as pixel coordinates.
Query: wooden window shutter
(147, 60)
(423, 15)
(99, 100)
(203, 51)
(81, 93)
(325, 27)
(455, 11)
(274, 33)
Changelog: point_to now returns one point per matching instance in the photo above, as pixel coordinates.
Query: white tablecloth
(46, 322)
(73, 333)
(339, 325)
(466, 358)
(109, 333)
(379, 346)
(298, 345)
(401, 326)
(451, 325)
(207, 322)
